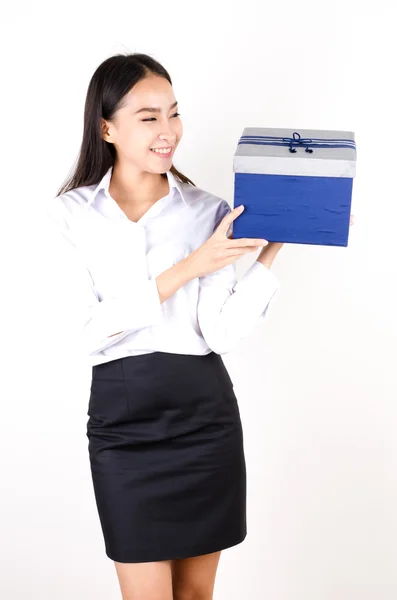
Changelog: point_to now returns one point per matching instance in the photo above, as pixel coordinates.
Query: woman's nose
(169, 136)
(167, 131)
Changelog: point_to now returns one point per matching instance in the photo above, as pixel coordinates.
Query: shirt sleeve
(98, 320)
(228, 310)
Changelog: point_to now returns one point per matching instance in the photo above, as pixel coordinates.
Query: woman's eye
(154, 118)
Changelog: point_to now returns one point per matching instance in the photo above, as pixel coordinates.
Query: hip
(160, 394)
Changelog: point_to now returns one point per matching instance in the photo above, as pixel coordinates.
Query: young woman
(160, 302)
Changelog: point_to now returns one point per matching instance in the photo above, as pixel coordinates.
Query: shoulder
(68, 206)
(205, 203)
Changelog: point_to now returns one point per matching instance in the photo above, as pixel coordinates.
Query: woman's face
(135, 133)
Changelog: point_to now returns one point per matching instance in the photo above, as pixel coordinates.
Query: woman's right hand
(220, 250)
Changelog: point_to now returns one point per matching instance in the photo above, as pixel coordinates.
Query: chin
(164, 165)
(161, 169)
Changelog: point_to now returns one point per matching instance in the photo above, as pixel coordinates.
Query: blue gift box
(296, 186)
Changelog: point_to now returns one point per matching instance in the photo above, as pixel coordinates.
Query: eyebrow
(151, 109)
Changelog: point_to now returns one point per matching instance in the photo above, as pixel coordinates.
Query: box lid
(312, 152)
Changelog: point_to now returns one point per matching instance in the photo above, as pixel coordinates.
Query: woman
(159, 302)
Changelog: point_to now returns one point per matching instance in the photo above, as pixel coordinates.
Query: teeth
(161, 151)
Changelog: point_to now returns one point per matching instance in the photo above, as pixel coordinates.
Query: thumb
(228, 219)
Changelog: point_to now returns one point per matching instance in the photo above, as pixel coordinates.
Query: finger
(246, 242)
(229, 218)
(240, 251)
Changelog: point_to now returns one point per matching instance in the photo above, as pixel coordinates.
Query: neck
(133, 187)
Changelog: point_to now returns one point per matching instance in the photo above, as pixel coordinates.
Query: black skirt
(166, 455)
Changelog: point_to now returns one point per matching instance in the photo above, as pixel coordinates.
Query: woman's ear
(105, 133)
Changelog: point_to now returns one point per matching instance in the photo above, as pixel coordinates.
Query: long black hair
(111, 81)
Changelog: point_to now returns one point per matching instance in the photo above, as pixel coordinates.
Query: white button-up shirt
(112, 263)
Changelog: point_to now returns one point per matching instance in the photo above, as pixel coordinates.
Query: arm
(101, 323)
(229, 310)
(170, 281)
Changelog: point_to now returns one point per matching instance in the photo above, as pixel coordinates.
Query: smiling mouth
(162, 151)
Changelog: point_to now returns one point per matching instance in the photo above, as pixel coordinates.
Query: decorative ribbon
(298, 141)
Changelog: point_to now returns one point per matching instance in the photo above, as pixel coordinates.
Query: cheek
(140, 139)
(178, 130)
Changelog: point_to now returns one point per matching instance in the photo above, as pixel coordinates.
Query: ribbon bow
(298, 141)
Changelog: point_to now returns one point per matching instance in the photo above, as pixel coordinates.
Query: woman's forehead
(151, 92)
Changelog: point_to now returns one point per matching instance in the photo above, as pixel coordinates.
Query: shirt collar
(105, 181)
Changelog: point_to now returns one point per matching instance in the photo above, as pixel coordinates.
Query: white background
(316, 382)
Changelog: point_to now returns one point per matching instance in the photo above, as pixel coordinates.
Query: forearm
(171, 280)
(228, 310)
(182, 272)
(174, 278)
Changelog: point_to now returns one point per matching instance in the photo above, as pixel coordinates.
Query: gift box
(296, 186)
